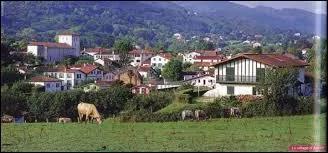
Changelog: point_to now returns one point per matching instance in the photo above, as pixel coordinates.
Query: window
(230, 90)
(159, 59)
(154, 59)
(137, 61)
(198, 81)
(230, 72)
(78, 76)
(260, 73)
(61, 75)
(160, 64)
(204, 81)
(48, 85)
(254, 91)
(154, 64)
(57, 85)
(98, 72)
(137, 56)
(69, 75)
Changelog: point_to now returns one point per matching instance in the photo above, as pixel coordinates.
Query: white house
(72, 76)
(202, 80)
(50, 84)
(256, 44)
(139, 56)
(102, 53)
(160, 60)
(68, 44)
(145, 71)
(240, 74)
(189, 57)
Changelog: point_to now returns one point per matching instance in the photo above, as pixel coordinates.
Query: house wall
(52, 87)
(57, 54)
(208, 80)
(158, 61)
(138, 58)
(96, 74)
(238, 89)
(72, 40)
(126, 79)
(108, 77)
(33, 50)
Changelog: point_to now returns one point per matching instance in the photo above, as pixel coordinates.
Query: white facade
(158, 61)
(243, 79)
(70, 79)
(52, 52)
(206, 80)
(72, 40)
(108, 76)
(50, 86)
(137, 59)
(190, 57)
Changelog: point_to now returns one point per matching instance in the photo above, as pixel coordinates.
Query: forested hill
(100, 22)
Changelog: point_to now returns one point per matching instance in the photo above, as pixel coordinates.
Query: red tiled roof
(68, 33)
(203, 63)
(44, 79)
(166, 55)
(207, 52)
(99, 51)
(144, 68)
(50, 44)
(140, 52)
(210, 57)
(87, 68)
(274, 59)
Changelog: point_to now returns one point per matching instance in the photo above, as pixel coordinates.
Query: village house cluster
(236, 75)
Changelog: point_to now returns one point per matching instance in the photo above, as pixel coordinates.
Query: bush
(22, 87)
(305, 105)
(183, 96)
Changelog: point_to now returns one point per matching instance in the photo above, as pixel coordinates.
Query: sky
(311, 6)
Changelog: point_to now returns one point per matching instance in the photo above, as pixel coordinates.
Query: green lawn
(247, 134)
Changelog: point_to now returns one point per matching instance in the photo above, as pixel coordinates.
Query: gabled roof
(85, 68)
(140, 52)
(99, 51)
(44, 79)
(273, 59)
(50, 44)
(166, 55)
(216, 57)
(144, 69)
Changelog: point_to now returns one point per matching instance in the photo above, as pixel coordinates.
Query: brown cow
(89, 110)
(200, 114)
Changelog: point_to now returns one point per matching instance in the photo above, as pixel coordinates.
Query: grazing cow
(200, 114)
(64, 120)
(187, 113)
(89, 110)
(235, 112)
(7, 119)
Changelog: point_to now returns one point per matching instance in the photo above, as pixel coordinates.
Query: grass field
(247, 134)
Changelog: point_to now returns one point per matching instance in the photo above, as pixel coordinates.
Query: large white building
(68, 44)
(207, 80)
(240, 74)
(160, 60)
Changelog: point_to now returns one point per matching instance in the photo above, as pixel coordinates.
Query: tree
(172, 70)
(257, 50)
(186, 65)
(275, 86)
(291, 49)
(9, 75)
(13, 103)
(123, 46)
(22, 87)
(203, 45)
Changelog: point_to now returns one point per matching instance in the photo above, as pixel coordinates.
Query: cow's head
(99, 120)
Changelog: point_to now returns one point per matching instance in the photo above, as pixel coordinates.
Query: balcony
(237, 79)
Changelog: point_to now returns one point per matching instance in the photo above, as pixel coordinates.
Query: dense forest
(151, 23)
